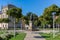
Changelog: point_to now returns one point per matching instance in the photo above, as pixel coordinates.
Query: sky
(34, 6)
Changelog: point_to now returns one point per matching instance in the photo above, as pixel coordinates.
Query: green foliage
(43, 21)
(37, 23)
(5, 20)
(5, 35)
(15, 12)
(49, 36)
(1, 38)
(31, 16)
(1, 20)
(46, 18)
(58, 20)
(21, 36)
(9, 36)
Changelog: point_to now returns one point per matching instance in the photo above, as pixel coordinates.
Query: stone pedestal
(30, 26)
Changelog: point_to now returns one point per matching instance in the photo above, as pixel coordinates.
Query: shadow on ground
(41, 36)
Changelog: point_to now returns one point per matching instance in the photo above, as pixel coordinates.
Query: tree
(58, 20)
(31, 16)
(43, 21)
(47, 15)
(15, 13)
(5, 20)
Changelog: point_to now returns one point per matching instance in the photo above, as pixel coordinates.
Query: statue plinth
(30, 26)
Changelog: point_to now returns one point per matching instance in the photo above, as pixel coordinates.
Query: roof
(9, 5)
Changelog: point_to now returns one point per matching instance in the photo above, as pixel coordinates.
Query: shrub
(20, 36)
(9, 36)
(1, 38)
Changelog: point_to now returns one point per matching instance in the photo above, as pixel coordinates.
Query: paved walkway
(33, 36)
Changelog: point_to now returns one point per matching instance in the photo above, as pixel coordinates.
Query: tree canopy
(46, 18)
(15, 12)
(31, 16)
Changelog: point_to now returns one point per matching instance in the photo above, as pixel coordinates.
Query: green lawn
(21, 36)
(50, 36)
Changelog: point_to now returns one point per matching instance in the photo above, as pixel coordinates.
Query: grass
(1, 32)
(20, 36)
(50, 36)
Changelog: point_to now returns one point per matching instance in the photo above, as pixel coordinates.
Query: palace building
(7, 25)
(3, 15)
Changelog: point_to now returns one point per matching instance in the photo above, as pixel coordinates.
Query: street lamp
(21, 24)
(14, 28)
(58, 27)
(53, 23)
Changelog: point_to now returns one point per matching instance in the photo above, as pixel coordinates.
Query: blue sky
(35, 6)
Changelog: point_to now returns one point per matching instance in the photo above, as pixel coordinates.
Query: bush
(1, 38)
(16, 33)
(20, 36)
(8, 36)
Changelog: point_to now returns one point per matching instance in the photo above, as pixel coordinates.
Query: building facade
(3, 15)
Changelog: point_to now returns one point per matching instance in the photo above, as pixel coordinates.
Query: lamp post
(58, 27)
(21, 25)
(14, 28)
(53, 23)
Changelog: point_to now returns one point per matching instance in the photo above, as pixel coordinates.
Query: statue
(31, 23)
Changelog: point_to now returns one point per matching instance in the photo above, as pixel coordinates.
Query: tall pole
(21, 24)
(58, 27)
(53, 24)
(14, 27)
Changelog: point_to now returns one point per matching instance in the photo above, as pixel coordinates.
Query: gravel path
(33, 36)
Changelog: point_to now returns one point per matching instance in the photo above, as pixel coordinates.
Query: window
(3, 25)
(3, 11)
(3, 16)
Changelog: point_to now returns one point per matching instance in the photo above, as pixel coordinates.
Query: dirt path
(33, 36)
